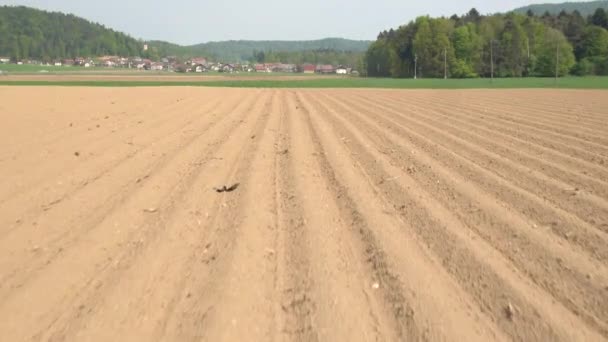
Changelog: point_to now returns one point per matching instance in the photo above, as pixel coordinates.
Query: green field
(505, 83)
(29, 69)
(38, 69)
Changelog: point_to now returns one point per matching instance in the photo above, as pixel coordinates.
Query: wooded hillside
(249, 50)
(584, 8)
(30, 33)
(509, 45)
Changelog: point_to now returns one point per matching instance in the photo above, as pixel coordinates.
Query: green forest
(29, 33)
(343, 51)
(501, 45)
(245, 50)
(321, 56)
(584, 8)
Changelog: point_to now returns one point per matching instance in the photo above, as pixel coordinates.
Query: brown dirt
(360, 215)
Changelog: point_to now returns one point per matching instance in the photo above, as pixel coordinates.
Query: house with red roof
(309, 68)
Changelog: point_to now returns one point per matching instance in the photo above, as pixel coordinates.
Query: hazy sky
(197, 21)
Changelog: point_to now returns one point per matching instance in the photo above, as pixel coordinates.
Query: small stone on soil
(509, 311)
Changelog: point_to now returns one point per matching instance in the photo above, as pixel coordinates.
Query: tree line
(319, 56)
(27, 33)
(501, 45)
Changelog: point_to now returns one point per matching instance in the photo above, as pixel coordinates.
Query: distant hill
(28, 33)
(238, 50)
(585, 8)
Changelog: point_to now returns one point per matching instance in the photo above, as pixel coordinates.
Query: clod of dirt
(151, 210)
(285, 151)
(77, 154)
(253, 136)
(509, 311)
(227, 189)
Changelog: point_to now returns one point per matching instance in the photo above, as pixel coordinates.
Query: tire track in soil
(492, 293)
(400, 311)
(296, 301)
(346, 306)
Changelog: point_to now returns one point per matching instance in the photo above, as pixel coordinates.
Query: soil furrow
(63, 187)
(570, 208)
(93, 147)
(561, 135)
(223, 214)
(102, 204)
(120, 232)
(552, 150)
(495, 230)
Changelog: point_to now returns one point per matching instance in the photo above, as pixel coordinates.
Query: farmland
(274, 80)
(353, 214)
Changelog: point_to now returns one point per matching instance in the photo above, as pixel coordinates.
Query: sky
(196, 21)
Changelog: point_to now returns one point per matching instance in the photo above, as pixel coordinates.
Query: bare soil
(359, 215)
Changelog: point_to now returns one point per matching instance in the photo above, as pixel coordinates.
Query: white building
(341, 71)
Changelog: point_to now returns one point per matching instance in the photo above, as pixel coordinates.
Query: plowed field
(359, 215)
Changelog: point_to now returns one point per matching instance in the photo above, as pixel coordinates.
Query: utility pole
(556, 61)
(445, 63)
(492, 60)
(415, 66)
(528, 60)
